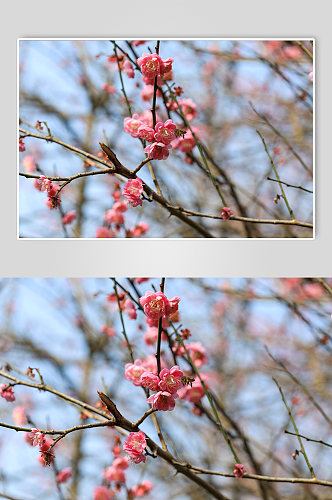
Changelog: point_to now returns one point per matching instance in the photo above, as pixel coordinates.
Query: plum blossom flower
(186, 143)
(103, 232)
(64, 475)
(131, 125)
(158, 151)
(21, 145)
(197, 353)
(109, 88)
(121, 463)
(143, 488)
(172, 306)
(154, 304)
(19, 415)
(134, 371)
(129, 308)
(195, 391)
(29, 164)
(7, 393)
(114, 474)
(150, 380)
(128, 69)
(239, 470)
(188, 108)
(147, 92)
(165, 132)
(151, 335)
(146, 132)
(132, 190)
(136, 43)
(114, 216)
(43, 183)
(46, 458)
(46, 445)
(226, 213)
(69, 217)
(170, 380)
(134, 445)
(151, 65)
(102, 493)
(163, 401)
(38, 437)
(140, 229)
(108, 330)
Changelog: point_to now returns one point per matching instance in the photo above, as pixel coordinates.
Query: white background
(181, 18)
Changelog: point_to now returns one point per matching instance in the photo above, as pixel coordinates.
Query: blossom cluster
(156, 305)
(45, 184)
(7, 393)
(114, 217)
(37, 438)
(114, 476)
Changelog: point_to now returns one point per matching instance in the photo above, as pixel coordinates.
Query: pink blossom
(186, 143)
(140, 229)
(163, 401)
(151, 65)
(29, 438)
(239, 470)
(165, 132)
(19, 415)
(141, 280)
(121, 463)
(29, 164)
(46, 458)
(46, 445)
(64, 475)
(43, 183)
(143, 488)
(170, 380)
(131, 125)
(130, 309)
(151, 335)
(114, 216)
(188, 108)
(136, 43)
(172, 306)
(158, 151)
(150, 380)
(197, 353)
(108, 330)
(7, 393)
(114, 474)
(167, 65)
(38, 437)
(102, 493)
(147, 119)
(134, 371)
(195, 391)
(226, 213)
(120, 206)
(109, 88)
(134, 445)
(147, 92)
(150, 81)
(103, 232)
(21, 145)
(53, 202)
(69, 217)
(132, 190)
(147, 133)
(154, 304)
(129, 69)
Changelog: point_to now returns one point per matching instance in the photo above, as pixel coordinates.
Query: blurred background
(70, 329)
(237, 86)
